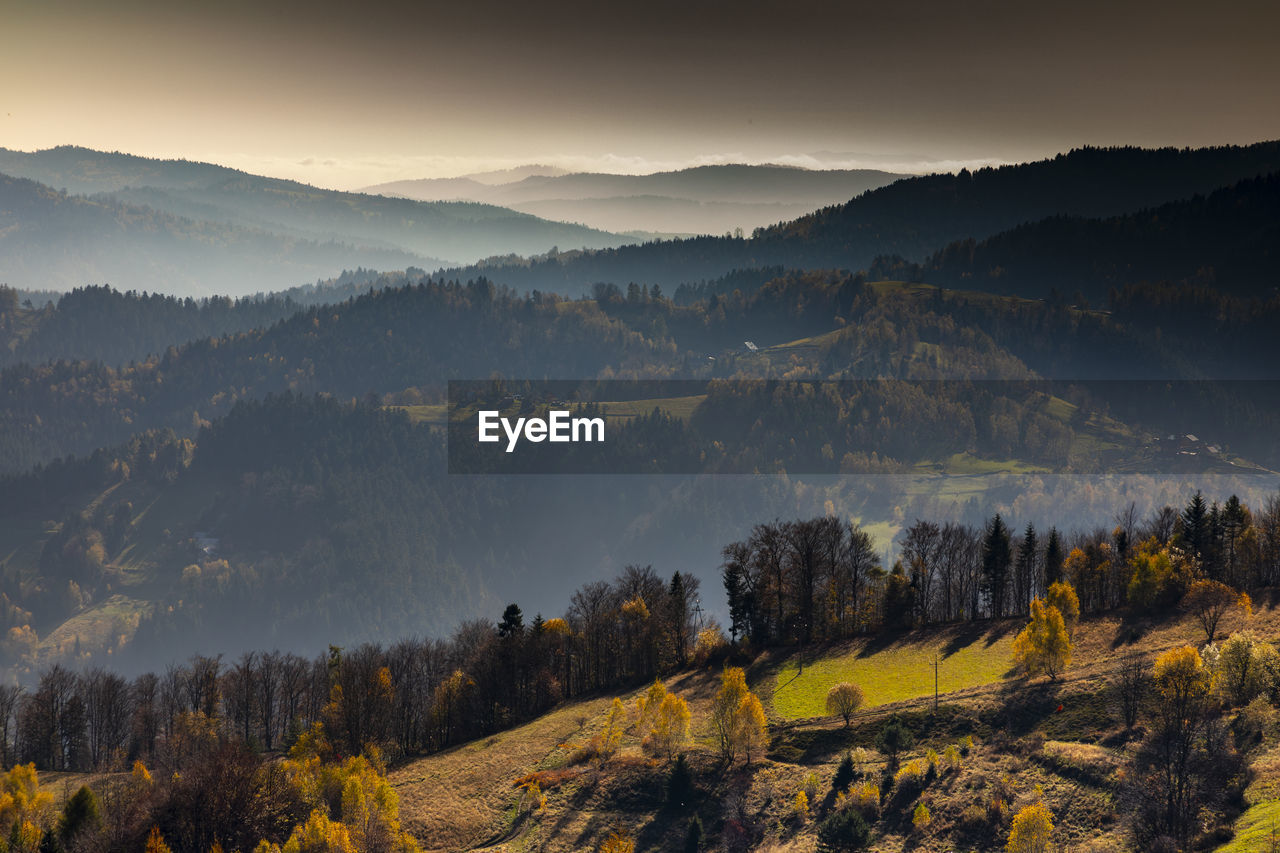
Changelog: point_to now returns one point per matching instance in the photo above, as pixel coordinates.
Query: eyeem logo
(557, 427)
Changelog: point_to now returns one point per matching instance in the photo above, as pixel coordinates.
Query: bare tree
(108, 709)
(1133, 684)
(10, 701)
(268, 690)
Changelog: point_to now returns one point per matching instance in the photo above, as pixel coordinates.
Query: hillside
(1226, 238)
(1067, 739)
(701, 200)
(51, 240)
(913, 217)
(108, 193)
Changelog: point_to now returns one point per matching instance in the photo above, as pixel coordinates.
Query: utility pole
(935, 682)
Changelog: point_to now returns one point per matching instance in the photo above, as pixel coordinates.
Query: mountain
(1229, 237)
(51, 240)
(356, 229)
(700, 200)
(912, 217)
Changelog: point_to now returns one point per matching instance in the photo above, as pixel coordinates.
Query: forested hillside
(51, 240)
(1227, 239)
(915, 216)
(196, 229)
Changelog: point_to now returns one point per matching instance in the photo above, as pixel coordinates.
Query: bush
(865, 797)
(893, 739)
(843, 830)
(1253, 723)
(974, 818)
(920, 818)
(951, 758)
(1032, 829)
(844, 775)
(811, 786)
(910, 778)
(800, 806)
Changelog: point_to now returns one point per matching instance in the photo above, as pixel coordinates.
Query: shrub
(532, 799)
(811, 786)
(1031, 830)
(844, 774)
(710, 643)
(920, 817)
(966, 745)
(800, 806)
(1253, 723)
(618, 841)
(861, 758)
(1244, 667)
(865, 797)
(951, 758)
(893, 739)
(843, 830)
(910, 778)
(974, 818)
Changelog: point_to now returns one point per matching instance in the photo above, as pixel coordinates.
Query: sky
(347, 95)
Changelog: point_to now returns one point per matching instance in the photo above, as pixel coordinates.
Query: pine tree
(1025, 568)
(1053, 558)
(996, 558)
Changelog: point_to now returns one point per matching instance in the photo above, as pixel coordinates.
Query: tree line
(822, 578)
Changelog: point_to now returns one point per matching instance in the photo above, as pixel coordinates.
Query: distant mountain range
(913, 218)
(701, 200)
(72, 216)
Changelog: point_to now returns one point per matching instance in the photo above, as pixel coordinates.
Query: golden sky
(347, 95)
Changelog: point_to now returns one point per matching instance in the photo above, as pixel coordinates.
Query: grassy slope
(466, 799)
(133, 578)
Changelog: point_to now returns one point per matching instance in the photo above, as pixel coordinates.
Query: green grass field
(894, 673)
(1257, 830)
(676, 407)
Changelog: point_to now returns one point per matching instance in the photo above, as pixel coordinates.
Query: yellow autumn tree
(319, 835)
(618, 841)
(608, 741)
(155, 842)
(1063, 596)
(733, 688)
(843, 700)
(1044, 645)
(22, 803)
(647, 705)
(670, 729)
(751, 734)
(1032, 829)
(369, 806)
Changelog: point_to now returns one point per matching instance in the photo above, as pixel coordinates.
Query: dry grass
(1050, 741)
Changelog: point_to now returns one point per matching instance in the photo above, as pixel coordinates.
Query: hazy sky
(350, 94)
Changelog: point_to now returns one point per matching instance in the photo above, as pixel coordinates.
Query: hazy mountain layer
(914, 217)
(51, 240)
(209, 201)
(701, 200)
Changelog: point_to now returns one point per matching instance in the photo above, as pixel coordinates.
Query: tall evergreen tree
(1195, 526)
(1025, 575)
(997, 556)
